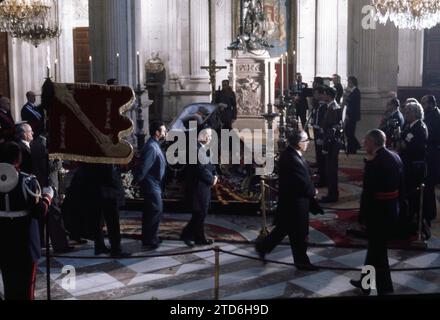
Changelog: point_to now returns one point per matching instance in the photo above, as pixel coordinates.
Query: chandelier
(408, 14)
(33, 21)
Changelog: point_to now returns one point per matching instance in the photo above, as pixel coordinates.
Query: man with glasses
(296, 190)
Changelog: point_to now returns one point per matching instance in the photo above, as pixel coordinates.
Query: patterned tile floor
(191, 276)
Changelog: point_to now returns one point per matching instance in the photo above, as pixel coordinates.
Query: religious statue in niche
(156, 77)
(249, 97)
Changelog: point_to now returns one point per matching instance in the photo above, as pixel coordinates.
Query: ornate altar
(156, 77)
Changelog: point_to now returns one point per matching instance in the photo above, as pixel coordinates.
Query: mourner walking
(382, 188)
(296, 190)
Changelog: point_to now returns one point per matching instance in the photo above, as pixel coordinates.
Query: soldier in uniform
(317, 121)
(227, 97)
(332, 127)
(383, 180)
(432, 120)
(22, 204)
(413, 153)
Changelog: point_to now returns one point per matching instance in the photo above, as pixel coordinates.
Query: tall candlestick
(270, 89)
(282, 75)
(138, 68)
(55, 69)
(91, 68)
(288, 72)
(117, 66)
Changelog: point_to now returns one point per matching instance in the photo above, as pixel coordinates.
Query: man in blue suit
(150, 173)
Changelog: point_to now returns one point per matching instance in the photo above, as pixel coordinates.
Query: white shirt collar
(27, 144)
(412, 124)
(299, 152)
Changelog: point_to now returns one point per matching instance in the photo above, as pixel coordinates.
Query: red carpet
(170, 229)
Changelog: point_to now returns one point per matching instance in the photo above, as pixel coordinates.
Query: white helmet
(8, 177)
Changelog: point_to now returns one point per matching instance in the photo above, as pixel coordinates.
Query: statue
(154, 64)
(252, 16)
(252, 27)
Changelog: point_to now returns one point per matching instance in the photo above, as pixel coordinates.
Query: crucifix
(212, 68)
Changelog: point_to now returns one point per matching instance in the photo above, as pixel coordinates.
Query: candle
(117, 66)
(48, 63)
(138, 68)
(282, 75)
(55, 69)
(91, 68)
(287, 73)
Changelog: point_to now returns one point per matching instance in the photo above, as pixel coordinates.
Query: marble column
(411, 58)
(373, 59)
(199, 35)
(114, 28)
(306, 39)
(326, 38)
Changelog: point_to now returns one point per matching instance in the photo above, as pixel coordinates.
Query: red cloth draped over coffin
(86, 123)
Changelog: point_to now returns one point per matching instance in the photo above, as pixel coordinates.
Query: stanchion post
(264, 232)
(422, 192)
(48, 258)
(217, 274)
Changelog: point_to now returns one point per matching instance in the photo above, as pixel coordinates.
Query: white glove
(48, 191)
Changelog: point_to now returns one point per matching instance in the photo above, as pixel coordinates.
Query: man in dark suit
(392, 122)
(32, 114)
(413, 153)
(7, 124)
(383, 180)
(338, 87)
(300, 99)
(201, 178)
(296, 190)
(227, 97)
(353, 115)
(20, 210)
(25, 135)
(46, 172)
(149, 175)
(432, 120)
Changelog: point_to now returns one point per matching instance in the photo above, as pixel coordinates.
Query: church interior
(161, 61)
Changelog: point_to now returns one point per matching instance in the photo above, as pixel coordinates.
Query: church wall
(28, 64)
(178, 31)
(322, 38)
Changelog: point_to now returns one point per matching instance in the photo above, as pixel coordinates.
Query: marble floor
(190, 276)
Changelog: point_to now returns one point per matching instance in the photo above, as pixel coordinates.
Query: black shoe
(261, 253)
(326, 200)
(188, 242)
(306, 267)
(150, 247)
(358, 284)
(204, 242)
(79, 241)
(101, 250)
(119, 253)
